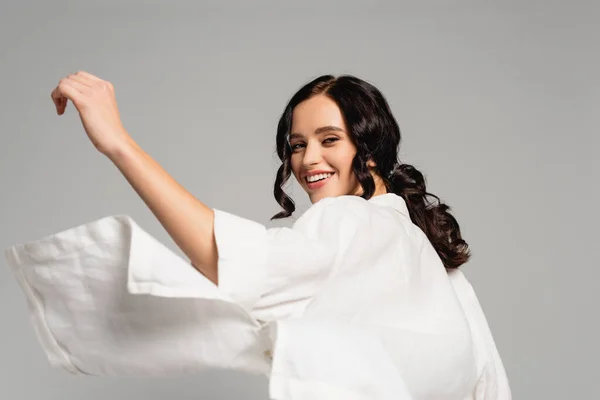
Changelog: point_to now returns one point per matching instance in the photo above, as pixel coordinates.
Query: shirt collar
(391, 200)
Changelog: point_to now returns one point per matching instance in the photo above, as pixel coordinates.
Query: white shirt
(352, 302)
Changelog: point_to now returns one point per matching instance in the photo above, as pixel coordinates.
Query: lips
(315, 172)
(320, 183)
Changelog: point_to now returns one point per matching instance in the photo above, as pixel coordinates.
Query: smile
(317, 181)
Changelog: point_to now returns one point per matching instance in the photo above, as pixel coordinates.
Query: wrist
(121, 148)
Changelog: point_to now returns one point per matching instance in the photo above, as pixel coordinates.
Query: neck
(380, 187)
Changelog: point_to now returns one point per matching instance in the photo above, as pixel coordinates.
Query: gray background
(498, 106)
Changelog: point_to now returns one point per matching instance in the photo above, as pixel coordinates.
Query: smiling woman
(344, 127)
(320, 144)
(361, 298)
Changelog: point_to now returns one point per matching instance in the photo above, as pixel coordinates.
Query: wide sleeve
(492, 381)
(271, 271)
(106, 298)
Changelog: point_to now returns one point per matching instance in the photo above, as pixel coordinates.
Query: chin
(315, 198)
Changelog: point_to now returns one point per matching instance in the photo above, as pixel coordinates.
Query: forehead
(317, 115)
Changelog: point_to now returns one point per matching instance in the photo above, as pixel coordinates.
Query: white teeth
(315, 178)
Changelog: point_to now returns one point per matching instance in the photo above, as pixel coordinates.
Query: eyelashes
(326, 141)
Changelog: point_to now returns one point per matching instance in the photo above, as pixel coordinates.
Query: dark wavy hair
(376, 135)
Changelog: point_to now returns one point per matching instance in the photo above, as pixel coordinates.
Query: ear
(371, 163)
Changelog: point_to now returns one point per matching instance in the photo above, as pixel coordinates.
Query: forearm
(187, 220)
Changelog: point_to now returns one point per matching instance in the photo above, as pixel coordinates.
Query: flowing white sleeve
(492, 379)
(107, 298)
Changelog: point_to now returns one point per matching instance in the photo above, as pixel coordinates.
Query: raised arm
(187, 220)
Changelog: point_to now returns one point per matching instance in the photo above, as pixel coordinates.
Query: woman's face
(322, 151)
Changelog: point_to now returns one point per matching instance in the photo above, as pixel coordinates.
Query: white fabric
(352, 302)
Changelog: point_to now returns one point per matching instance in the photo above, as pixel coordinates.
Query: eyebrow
(318, 131)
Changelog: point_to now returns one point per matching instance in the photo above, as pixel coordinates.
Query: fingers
(88, 76)
(82, 80)
(62, 93)
(70, 87)
(81, 86)
(60, 102)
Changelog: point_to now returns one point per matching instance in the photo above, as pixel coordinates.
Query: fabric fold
(351, 302)
(492, 379)
(106, 298)
(242, 247)
(330, 359)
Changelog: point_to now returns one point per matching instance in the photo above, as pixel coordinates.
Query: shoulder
(336, 208)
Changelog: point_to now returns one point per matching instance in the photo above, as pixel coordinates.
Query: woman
(360, 299)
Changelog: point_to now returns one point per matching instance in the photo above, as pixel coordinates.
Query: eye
(297, 146)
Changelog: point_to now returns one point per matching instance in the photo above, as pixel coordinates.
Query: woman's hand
(95, 101)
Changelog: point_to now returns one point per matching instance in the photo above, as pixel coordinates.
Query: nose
(312, 155)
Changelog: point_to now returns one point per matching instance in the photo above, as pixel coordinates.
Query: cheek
(344, 162)
(346, 167)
